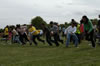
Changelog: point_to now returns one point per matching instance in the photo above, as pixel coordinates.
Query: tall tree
(37, 21)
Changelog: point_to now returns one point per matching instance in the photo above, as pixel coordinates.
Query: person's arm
(66, 30)
(91, 26)
(74, 30)
(6, 30)
(33, 32)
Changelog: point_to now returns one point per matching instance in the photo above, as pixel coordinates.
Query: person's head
(55, 23)
(18, 26)
(72, 20)
(7, 26)
(30, 25)
(81, 22)
(99, 16)
(43, 25)
(24, 24)
(85, 19)
(51, 23)
(94, 22)
(12, 27)
(73, 24)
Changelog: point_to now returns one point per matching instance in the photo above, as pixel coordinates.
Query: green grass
(44, 55)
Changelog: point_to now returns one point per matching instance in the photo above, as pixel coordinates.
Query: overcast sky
(22, 11)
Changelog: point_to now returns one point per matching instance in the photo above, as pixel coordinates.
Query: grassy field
(44, 55)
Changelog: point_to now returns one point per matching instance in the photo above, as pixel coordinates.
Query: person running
(6, 33)
(15, 36)
(55, 33)
(35, 34)
(89, 31)
(98, 26)
(95, 29)
(47, 34)
(63, 30)
(81, 30)
(59, 33)
(22, 34)
(78, 32)
(70, 32)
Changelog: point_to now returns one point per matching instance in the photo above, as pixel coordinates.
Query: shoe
(62, 42)
(67, 47)
(30, 43)
(57, 45)
(43, 42)
(93, 47)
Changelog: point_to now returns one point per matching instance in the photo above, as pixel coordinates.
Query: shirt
(14, 32)
(82, 28)
(54, 29)
(23, 30)
(88, 26)
(33, 31)
(70, 29)
(78, 29)
(6, 32)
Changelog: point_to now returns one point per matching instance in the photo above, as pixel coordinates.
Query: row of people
(75, 31)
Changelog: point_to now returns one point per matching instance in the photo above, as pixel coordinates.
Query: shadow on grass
(83, 49)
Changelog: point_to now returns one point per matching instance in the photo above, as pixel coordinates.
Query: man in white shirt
(70, 31)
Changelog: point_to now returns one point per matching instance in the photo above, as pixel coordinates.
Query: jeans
(74, 37)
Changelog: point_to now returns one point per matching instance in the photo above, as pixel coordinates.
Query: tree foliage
(37, 21)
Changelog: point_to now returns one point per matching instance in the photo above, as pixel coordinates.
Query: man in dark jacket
(98, 26)
(55, 33)
(47, 34)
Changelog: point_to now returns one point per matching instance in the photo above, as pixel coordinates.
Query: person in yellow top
(33, 30)
(6, 33)
(78, 32)
(34, 33)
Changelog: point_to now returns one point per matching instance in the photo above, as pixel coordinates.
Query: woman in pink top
(82, 30)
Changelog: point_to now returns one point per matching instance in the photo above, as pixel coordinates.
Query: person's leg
(56, 39)
(92, 38)
(75, 38)
(25, 36)
(21, 39)
(33, 38)
(99, 35)
(6, 37)
(13, 39)
(68, 39)
(87, 37)
(17, 39)
(59, 39)
(79, 39)
(38, 37)
(63, 34)
(48, 40)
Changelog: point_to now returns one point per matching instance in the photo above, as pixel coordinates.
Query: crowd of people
(75, 33)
